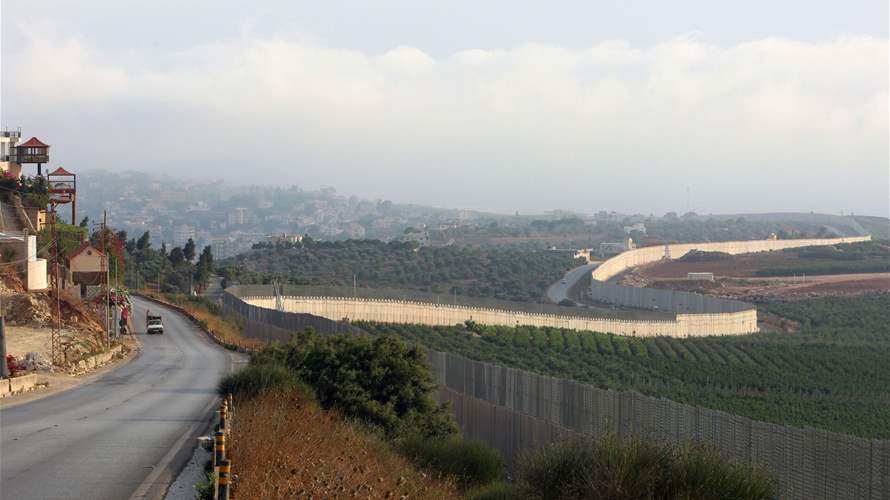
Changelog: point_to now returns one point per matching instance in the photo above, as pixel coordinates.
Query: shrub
(380, 381)
(255, 378)
(700, 468)
(612, 468)
(469, 462)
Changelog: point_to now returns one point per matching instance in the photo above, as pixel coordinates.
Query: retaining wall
(514, 410)
(24, 383)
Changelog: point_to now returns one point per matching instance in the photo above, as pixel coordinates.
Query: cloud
(764, 125)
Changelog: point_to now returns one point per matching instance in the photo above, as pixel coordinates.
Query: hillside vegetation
(500, 274)
(576, 232)
(365, 425)
(865, 257)
(832, 375)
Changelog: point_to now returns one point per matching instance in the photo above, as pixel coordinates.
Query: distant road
(560, 291)
(127, 434)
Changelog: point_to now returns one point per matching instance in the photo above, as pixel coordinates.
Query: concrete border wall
(514, 410)
(700, 315)
(337, 309)
(639, 256)
(694, 314)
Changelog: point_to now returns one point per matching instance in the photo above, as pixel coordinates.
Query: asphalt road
(559, 290)
(125, 435)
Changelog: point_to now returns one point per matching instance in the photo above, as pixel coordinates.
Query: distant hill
(878, 227)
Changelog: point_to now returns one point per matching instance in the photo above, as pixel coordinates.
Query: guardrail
(222, 466)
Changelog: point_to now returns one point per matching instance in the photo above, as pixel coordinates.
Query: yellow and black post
(219, 447)
(223, 413)
(224, 475)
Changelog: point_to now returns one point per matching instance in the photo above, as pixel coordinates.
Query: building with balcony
(8, 164)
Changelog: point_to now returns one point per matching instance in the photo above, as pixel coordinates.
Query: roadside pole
(4, 370)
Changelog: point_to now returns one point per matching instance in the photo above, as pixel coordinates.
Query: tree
(144, 241)
(204, 267)
(163, 249)
(189, 251)
(177, 256)
(85, 222)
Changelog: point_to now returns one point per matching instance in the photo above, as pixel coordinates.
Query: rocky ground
(30, 319)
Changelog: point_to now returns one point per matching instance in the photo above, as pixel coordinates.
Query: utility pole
(4, 370)
(107, 283)
(56, 339)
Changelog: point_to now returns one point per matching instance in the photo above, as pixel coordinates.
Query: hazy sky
(499, 105)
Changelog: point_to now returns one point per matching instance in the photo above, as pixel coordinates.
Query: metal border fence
(515, 410)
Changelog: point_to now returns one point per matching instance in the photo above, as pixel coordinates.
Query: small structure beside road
(86, 267)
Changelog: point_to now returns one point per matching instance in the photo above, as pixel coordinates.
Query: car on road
(155, 326)
(563, 281)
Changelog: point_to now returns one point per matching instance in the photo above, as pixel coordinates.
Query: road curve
(560, 291)
(125, 435)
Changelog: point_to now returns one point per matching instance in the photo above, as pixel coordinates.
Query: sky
(638, 107)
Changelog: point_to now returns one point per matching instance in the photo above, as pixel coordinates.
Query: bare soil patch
(759, 289)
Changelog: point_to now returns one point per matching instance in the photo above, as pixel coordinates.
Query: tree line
(501, 274)
(173, 270)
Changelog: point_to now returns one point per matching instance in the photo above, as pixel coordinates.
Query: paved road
(560, 291)
(127, 434)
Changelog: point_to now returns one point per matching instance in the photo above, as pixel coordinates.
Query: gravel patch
(193, 473)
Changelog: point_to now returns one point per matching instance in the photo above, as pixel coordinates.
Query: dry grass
(284, 445)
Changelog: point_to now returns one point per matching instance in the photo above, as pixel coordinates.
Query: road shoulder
(61, 382)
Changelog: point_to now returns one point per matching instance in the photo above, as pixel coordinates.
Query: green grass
(832, 375)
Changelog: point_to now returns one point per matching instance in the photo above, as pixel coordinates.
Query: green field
(834, 374)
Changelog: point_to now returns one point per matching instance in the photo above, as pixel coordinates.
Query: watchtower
(33, 151)
(63, 189)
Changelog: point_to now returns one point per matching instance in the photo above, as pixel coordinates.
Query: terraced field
(834, 374)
